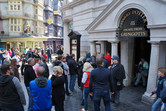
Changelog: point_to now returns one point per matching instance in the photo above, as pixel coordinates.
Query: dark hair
(59, 57)
(99, 61)
(72, 55)
(4, 68)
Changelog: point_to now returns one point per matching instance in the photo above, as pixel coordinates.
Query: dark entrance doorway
(141, 49)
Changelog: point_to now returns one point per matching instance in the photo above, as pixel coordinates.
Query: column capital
(154, 42)
(114, 42)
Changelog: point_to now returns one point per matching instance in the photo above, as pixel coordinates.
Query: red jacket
(108, 57)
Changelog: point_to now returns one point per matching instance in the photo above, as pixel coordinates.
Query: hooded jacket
(11, 91)
(41, 93)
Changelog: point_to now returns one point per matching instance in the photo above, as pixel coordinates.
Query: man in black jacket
(73, 72)
(29, 75)
(118, 73)
(12, 97)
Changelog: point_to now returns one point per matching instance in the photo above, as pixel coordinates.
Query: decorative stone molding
(112, 6)
(161, 1)
(129, 6)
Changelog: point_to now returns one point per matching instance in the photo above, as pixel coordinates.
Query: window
(15, 5)
(38, 27)
(15, 25)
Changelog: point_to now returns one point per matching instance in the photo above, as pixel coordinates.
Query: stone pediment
(104, 14)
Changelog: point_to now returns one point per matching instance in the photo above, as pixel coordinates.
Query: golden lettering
(133, 34)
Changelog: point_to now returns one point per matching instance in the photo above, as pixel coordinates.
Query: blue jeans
(115, 97)
(72, 82)
(49, 58)
(101, 94)
(157, 105)
(85, 96)
(30, 99)
(139, 76)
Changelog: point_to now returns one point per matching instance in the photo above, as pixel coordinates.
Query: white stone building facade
(99, 22)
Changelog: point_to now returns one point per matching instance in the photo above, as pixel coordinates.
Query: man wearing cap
(118, 74)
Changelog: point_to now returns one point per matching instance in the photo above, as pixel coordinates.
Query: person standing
(103, 84)
(58, 91)
(118, 74)
(60, 52)
(106, 63)
(108, 57)
(143, 72)
(160, 86)
(44, 64)
(29, 54)
(29, 75)
(12, 97)
(41, 91)
(17, 57)
(87, 68)
(73, 72)
(66, 70)
(14, 67)
(49, 52)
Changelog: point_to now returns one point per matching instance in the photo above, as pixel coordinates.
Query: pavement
(130, 99)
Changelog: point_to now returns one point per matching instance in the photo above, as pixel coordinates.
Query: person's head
(7, 61)
(30, 49)
(16, 54)
(59, 57)
(100, 62)
(67, 54)
(102, 55)
(81, 58)
(31, 62)
(6, 69)
(162, 71)
(44, 58)
(64, 59)
(6, 52)
(9, 49)
(115, 59)
(37, 60)
(13, 63)
(58, 71)
(87, 66)
(23, 55)
(40, 71)
(89, 60)
(142, 59)
(108, 53)
(72, 56)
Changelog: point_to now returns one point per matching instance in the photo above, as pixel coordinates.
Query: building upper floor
(26, 9)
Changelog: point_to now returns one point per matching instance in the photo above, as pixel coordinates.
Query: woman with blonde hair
(14, 67)
(85, 80)
(58, 91)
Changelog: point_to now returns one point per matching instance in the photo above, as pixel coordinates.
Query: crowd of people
(96, 77)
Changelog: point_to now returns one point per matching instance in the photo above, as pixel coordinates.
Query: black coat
(118, 74)
(29, 75)
(58, 91)
(72, 66)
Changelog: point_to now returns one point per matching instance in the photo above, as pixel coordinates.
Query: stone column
(152, 77)
(114, 48)
(66, 39)
(92, 47)
(102, 47)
